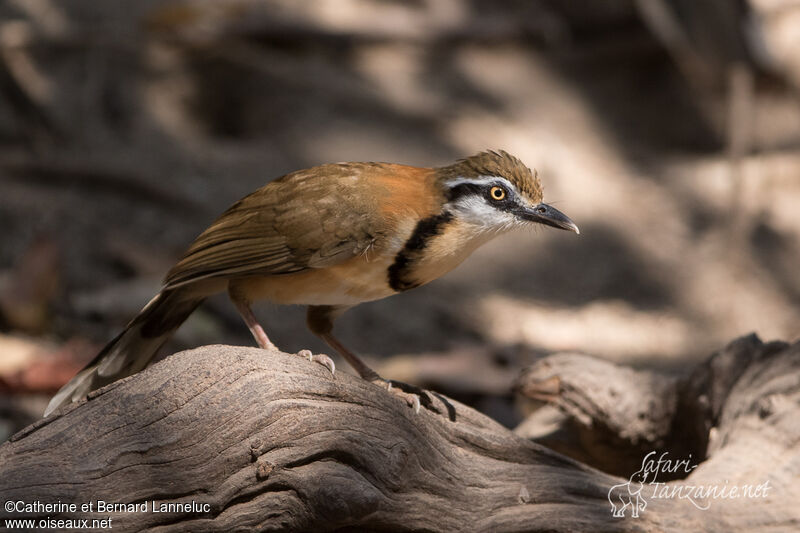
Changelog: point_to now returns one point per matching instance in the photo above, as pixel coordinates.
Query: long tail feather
(131, 350)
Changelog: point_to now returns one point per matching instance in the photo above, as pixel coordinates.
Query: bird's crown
(499, 164)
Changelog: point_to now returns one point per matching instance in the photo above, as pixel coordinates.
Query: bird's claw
(319, 358)
(409, 393)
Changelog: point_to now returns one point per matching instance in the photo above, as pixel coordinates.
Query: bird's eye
(497, 193)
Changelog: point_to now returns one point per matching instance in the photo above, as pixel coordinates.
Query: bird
(331, 237)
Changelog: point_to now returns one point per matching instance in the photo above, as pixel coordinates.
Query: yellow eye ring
(497, 193)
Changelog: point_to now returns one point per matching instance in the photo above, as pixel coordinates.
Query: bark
(270, 441)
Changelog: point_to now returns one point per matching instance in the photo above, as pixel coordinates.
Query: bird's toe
(415, 397)
(319, 358)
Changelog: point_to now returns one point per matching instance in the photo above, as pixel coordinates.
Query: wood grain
(273, 443)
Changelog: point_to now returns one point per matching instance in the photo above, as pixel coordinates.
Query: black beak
(549, 216)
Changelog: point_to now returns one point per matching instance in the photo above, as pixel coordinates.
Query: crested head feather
(497, 163)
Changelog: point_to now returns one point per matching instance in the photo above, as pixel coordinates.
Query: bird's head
(495, 191)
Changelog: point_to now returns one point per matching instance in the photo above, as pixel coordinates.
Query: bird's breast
(437, 245)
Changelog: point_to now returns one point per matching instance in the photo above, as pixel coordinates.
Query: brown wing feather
(307, 219)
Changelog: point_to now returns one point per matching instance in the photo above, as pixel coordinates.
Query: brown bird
(330, 237)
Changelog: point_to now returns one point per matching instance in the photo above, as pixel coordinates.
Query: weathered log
(269, 441)
(736, 417)
(612, 415)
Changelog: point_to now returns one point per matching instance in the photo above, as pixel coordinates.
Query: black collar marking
(400, 278)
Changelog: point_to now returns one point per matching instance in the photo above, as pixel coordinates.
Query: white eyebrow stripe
(482, 180)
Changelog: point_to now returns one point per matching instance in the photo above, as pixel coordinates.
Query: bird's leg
(412, 398)
(360, 366)
(243, 306)
(320, 322)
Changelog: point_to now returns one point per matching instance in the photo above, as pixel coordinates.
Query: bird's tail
(133, 349)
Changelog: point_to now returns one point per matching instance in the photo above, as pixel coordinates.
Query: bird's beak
(549, 216)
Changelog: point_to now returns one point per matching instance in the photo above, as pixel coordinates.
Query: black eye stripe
(464, 189)
(508, 203)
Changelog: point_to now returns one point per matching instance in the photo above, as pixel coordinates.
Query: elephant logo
(628, 494)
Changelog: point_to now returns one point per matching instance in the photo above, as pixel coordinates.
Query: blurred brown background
(667, 129)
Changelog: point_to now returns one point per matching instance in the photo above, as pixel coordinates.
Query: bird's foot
(319, 358)
(414, 396)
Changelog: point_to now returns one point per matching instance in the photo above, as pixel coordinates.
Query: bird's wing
(312, 218)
